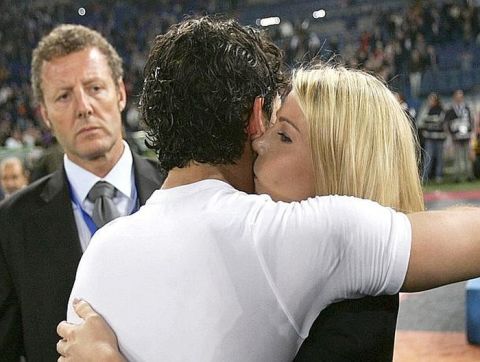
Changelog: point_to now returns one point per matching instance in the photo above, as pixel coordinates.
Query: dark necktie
(104, 210)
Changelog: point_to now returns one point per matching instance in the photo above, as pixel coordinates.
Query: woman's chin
(273, 195)
(260, 189)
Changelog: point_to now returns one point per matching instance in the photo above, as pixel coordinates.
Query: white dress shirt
(81, 181)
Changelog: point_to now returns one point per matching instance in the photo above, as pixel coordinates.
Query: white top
(204, 272)
(81, 181)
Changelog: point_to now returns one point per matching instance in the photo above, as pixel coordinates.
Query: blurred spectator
(466, 59)
(475, 149)
(50, 161)
(15, 140)
(432, 58)
(13, 175)
(460, 123)
(417, 64)
(410, 111)
(432, 128)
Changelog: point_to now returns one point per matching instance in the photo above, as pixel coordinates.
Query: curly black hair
(201, 79)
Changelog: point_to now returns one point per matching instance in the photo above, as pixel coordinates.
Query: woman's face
(284, 168)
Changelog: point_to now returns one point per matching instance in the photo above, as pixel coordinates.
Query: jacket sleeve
(11, 340)
(353, 330)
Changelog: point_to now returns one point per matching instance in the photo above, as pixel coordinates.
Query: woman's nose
(259, 144)
(256, 144)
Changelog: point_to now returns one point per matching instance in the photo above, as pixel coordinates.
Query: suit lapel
(148, 177)
(53, 231)
(52, 253)
(62, 232)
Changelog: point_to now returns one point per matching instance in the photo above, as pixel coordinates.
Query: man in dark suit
(77, 81)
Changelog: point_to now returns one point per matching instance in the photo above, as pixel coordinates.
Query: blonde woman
(360, 141)
(362, 145)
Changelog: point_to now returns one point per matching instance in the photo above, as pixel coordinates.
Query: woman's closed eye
(284, 137)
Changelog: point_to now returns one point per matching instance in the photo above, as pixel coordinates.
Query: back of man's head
(201, 80)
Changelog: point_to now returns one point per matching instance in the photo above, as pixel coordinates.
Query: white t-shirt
(204, 272)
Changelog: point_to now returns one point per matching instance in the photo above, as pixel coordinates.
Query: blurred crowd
(397, 43)
(451, 132)
(399, 46)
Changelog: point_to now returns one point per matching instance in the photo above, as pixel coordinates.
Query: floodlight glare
(319, 14)
(274, 20)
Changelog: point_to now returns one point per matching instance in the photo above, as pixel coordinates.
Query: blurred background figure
(50, 160)
(13, 175)
(417, 65)
(410, 111)
(475, 149)
(15, 140)
(432, 129)
(460, 124)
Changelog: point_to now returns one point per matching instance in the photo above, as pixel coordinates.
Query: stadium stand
(417, 48)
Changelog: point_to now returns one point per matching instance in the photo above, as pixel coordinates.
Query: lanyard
(87, 218)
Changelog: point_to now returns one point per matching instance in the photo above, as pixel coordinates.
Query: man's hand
(93, 340)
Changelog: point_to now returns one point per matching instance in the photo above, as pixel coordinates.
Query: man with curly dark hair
(205, 272)
(201, 81)
(204, 81)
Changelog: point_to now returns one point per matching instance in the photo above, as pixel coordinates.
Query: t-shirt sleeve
(327, 249)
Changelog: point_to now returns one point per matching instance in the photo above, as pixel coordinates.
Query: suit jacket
(39, 254)
(360, 330)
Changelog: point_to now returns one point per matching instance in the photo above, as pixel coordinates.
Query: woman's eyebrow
(283, 119)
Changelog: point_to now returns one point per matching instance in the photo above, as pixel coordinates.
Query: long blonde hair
(362, 142)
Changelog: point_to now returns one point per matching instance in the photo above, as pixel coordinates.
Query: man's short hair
(201, 80)
(64, 40)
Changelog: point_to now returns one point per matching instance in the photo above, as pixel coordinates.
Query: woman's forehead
(290, 109)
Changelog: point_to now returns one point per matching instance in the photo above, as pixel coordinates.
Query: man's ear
(122, 95)
(44, 113)
(256, 127)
